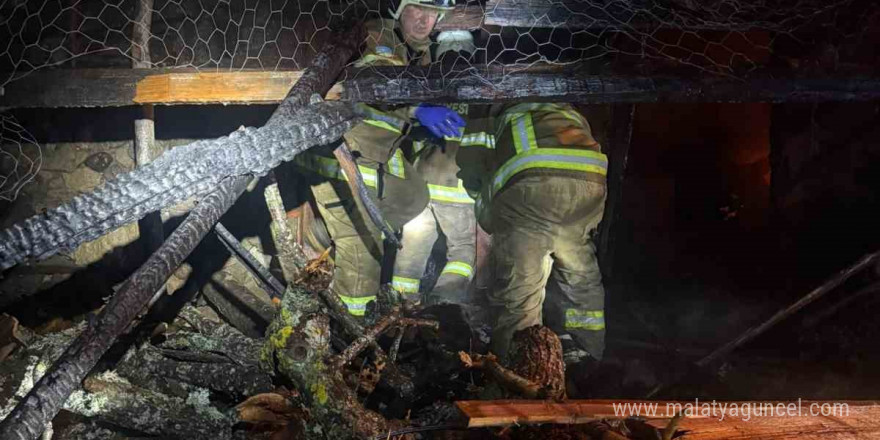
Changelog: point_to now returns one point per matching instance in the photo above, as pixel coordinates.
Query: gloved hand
(440, 120)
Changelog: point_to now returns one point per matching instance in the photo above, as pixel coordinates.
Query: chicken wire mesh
(20, 157)
(738, 39)
(717, 37)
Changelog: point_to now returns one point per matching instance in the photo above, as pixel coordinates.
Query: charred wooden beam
(491, 84)
(237, 305)
(158, 370)
(133, 407)
(587, 15)
(483, 84)
(867, 262)
(213, 336)
(30, 416)
(145, 149)
(617, 149)
(109, 398)
(290, 254)
(260, 272)
(356, 184)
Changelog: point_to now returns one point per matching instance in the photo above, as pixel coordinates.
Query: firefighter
(450, 212)
(401, 193)
(450, 209)
(542, 201)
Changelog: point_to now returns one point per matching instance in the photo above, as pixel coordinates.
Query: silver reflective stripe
(329, 167)
(458, 268)
(584, 319)
(395, 165)
(380, 116)
(549, 160)
(449, 193)
(481, 139)
(522, 129)
(405, 285)
(456, 138)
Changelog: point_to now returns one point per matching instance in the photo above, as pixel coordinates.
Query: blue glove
(441, 121)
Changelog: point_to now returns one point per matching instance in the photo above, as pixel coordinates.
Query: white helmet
(441, 5)
(455, 41)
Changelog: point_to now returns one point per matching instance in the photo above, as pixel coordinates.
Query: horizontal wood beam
(787, 420)
(578, 14)
(122, 87)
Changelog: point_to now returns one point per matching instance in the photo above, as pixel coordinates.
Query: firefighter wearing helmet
(401, 191)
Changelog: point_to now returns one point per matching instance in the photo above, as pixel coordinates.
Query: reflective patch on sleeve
(458, 268)
(456, 138)
(381, 119)
(405, 285)
(395, 165)
(584, 319)
(357, 306)
(481, 139)
(450, 194)
(329, 167)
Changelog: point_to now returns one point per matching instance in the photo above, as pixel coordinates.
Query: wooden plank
(123, 87)
(791, 420)
(243, 87)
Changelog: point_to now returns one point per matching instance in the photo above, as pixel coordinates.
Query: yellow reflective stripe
(383, 125)
(585, 319)
(458, 268)
(452, 194)
(456, 138)
(381, 119)
(527, 107)
(523, 133)
(553, 158)
(418, 146)
(567, 112)
(371, 178)
(329, 167)
(395, 165)
(357, 306)
(405, 285)
(575, 116)
(481, 139)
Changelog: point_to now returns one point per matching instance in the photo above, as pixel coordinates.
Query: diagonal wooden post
(145, 127)
(42, 403)
(29, 418)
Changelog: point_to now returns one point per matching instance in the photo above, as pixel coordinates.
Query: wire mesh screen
(692, 39)
(20, 157)
(714, 37)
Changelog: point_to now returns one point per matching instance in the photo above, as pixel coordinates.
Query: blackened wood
(619, 140)
(30, 416)
(260, 272)
(359, 189)
(488, 84)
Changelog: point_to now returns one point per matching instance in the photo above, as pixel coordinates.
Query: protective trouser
(542, 238)
(457, 223)
(357, 243)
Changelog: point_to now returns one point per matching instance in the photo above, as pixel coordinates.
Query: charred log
(536, 355)
(30, 416)
(298, 349)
